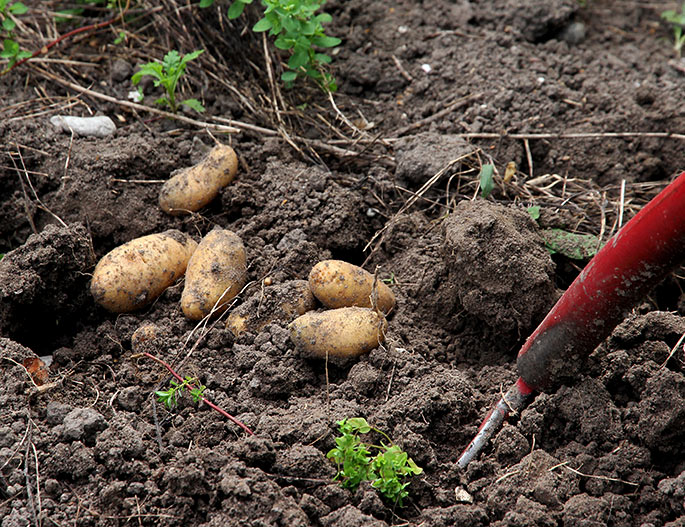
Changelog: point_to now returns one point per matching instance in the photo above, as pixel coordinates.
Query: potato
(343, 332)
(280, 302)
(145, 336)
(217, 272)
(340, 284)
(134, 274)
(192, 188)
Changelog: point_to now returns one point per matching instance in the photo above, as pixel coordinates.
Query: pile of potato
(355, 324)
(133, 275)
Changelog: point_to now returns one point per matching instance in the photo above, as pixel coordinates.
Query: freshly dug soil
(438, 89)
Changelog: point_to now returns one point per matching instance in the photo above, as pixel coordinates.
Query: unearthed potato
(194, 187)
(144, 336)
(216, 273)
(340, 284)
(134, 274)
(342, 332)
(275, 302)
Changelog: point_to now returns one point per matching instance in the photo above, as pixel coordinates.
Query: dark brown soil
(93, 447)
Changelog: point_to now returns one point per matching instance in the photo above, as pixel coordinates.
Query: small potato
(216, 273)
(342, 332)
(194, 187)
(134, 274)
(145, 336)
(340, 284)
(280, 302)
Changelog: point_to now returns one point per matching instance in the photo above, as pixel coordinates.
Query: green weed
(297, 29)
(677, 21)
(167, 74)
(170, 396)
(386, 470)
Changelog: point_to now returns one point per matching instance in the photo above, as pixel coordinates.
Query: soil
(424, 85)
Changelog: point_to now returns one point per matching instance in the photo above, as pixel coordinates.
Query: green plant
(487, 183)
(170, 396)
(297, 29)
(167, 74)
(677, 21)
(386, 470)
(10, 48)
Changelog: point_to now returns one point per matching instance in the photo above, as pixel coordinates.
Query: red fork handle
(632, 262)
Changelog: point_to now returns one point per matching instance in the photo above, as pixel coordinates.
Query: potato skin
(341, 284)
(219, 264)
(278, 302)
(194, 187)
(132, 275)
(343, 332)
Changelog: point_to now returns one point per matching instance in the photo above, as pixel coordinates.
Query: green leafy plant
(386, 470)
(10, 48)
(297, 29)
(677, 21)
(170, 397)
(167, 74)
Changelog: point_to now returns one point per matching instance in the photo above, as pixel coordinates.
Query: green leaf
(358, 424)
(299, 58)
(235, 10)
(487, 182)
(322, 58)
(284, 43)
(191, 56)
(8, 24)
(10, 48)
(571, 245)
(206, 3)
(534, 212)
(18, 8)
(326, 42)
(194, 104)
(289, 76)
(263, 25)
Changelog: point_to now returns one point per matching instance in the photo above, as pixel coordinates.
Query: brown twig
(192, 386)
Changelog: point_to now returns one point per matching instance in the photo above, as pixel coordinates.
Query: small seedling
(677, 21)
(190, 384)
(487, 183)
(167, 74)
(391, 280)
(386, 470)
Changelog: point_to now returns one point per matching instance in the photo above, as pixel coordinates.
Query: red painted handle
(632, 262)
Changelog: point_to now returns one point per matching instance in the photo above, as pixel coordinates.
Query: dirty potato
(279, 302)
(340, 284)
(343, 332)
(134, 274)
(216, 273)
(194, 187)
